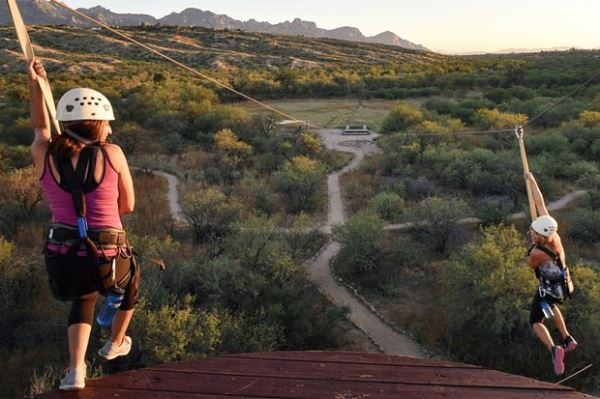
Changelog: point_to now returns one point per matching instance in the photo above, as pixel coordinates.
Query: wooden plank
(317, 375)
(261, 387)
(352, 357)
(136, 384)
(357, 372)
(429, 392)
(108, 392)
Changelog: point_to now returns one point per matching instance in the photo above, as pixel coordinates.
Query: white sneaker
(74, 379)
(110, 350)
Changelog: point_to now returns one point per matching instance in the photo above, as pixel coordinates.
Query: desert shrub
(584, 226)
(21, 199)
(300, 183)
(361, 240)
(488, 274)
(388, 205)
(590, 118)
(14, 157)
(494, 119)
(436, 220)
(211, 214)
(402, 115)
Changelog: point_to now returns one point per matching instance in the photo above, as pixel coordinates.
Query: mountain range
(41, 12)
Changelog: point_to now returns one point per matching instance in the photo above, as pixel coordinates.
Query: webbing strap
(80, 179)
(551, 254)
(29, 55)
(75, 180)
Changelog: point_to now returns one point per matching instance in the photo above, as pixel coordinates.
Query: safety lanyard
(29, 55)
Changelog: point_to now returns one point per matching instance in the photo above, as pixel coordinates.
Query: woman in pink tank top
(88, 186)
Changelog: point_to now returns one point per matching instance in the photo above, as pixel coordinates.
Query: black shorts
(536, 315)
(72, 277)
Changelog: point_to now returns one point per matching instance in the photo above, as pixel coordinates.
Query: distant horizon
(458, 27)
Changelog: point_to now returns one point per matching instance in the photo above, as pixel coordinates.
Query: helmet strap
(77, 137)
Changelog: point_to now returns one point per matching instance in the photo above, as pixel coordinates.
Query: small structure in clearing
(356, 129)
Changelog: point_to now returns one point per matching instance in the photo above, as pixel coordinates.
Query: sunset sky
(440, 25)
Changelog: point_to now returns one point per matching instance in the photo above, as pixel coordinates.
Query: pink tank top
(101, 203)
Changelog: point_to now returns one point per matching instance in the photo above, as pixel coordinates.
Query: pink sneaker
(558, 355)
(570, 344)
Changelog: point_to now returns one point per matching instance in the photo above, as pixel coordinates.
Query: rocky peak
(45, 13)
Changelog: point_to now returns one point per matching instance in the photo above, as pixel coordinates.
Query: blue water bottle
(109, 308)
(547, 310)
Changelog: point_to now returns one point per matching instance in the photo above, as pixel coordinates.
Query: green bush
(584, 226)
(436, 220)
(360, 238)
(170, 333)
(14, 157)
(402, 115)
(300, 182)
(552, 142)
(211, 214)
(388, 205)
(486, 292)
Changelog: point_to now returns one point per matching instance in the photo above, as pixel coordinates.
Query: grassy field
(330, 113)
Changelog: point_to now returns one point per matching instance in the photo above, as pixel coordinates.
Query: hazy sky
(440, 25)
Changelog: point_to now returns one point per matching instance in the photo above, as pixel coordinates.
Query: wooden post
(532, 208)
(29, 55)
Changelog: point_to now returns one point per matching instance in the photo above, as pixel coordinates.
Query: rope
(166, 57)
(532, 207)
(25, 42)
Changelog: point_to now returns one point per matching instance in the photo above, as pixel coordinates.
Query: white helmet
(84, 104)
(544, 225)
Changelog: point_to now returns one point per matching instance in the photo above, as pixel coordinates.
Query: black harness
(562, 280)
(78, 181)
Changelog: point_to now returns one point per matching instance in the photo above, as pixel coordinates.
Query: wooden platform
(317, 375)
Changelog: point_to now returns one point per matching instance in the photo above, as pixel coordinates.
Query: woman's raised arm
(538, 198)
(40, 122)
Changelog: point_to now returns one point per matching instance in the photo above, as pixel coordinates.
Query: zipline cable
(464, 133)
(574, 374)
(563, 98)
(189, 69)
(529, 122)
(249, 98)
(25, 43)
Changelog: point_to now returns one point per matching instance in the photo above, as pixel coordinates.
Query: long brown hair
(65, 146)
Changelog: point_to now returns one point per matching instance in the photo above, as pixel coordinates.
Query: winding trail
(390, 341)
(387, 339)
(552, 206)
(173, 197)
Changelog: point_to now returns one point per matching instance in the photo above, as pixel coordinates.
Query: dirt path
(173, 197)
(319, 269)
(552, 206)
(172, 193)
